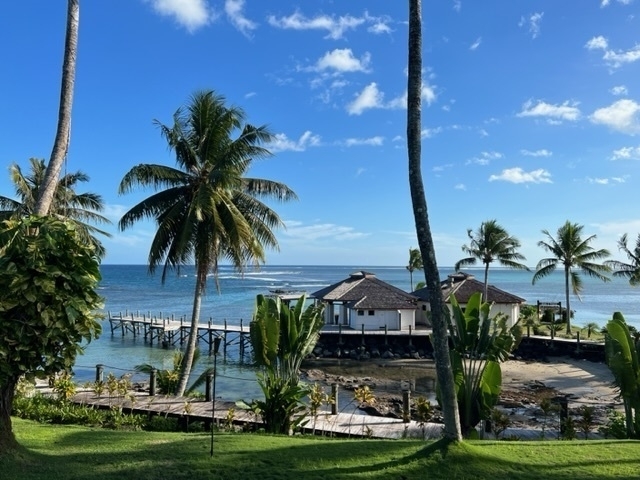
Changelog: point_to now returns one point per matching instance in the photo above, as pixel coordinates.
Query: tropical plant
(479, 345)
(491, 242)
(48, 304)
(500, 421)
(415, 263)
(630, 270)
(586, 421)
(281, 337)
(528, 317)
(208, 210)
(167, 379)
(63, 131)
(79, 208)
(439, 337)
(591, 327)
(571, 251)
(622, 358)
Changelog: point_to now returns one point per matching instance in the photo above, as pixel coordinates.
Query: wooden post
(362, 329)
(410, 339)
(406, 405)
(99, 373)
(334, 396)
(152, 382)
(386, 341)
(340, 334)
(208, 386)
(578, 341)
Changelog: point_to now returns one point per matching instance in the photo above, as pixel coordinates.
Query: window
(360, 313)
(372, 313)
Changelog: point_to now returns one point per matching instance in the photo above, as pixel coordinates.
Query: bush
(616, 426)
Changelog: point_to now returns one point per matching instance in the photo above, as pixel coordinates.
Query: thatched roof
(363, 290)
(463, 285)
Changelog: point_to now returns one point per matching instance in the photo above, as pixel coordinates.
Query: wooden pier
(168, 331)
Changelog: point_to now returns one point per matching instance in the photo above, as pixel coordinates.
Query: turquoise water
(129, 287)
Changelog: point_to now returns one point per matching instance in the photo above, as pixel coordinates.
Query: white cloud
(484, 158)
(605, 3)
(342, 60)
(533, 21)
(460, 186)
(282, 143)
(321, 231)
(565, 111)
(372, 141)
(536, 153)
(371, 97)
(250, 94)
(518, 175)
(622, 116)
(457, 5)
(476, 44)
(234, 11)
(430, 132)
(597, 43)
(615, 59)
(336, 27)
(619, 90)
(605, 181)
(191, 14)
(626, 153)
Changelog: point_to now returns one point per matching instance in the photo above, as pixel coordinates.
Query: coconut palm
(423, 230)
(491, 242)
(63, 131)
(571, 251)
(628, 270)
(206, 209)
(81, 208)
(415, 263)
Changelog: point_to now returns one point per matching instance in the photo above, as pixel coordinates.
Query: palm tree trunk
(7, 438)
(566, 289)
(440, 336)
(61, 143)
(192, 343)
(411, 280)
(486, 283)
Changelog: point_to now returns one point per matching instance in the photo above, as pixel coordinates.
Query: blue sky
(531, 112)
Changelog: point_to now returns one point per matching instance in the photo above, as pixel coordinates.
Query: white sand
(585, 381)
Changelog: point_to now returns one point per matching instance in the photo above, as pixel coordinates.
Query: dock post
(340, 334)
(362, 342)
(207, 388)
(386, 340)
(241, 341)
(410, 340)
(224, 334)
(152, 382)
(210, 339)
(334, 397)
(578, 341)
(99, 373)
(406, 405)
(181, 330)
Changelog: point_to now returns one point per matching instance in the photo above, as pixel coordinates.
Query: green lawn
(70, 452)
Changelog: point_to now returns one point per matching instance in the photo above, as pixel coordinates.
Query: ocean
(131, 288)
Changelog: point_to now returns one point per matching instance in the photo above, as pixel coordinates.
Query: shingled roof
(463, 285)
(363, 290)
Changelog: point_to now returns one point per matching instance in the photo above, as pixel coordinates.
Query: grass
(71, 452)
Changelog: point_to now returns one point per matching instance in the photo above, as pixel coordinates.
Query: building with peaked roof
(462, 286)
(365, 301)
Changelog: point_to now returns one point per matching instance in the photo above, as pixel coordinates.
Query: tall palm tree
(206, 210)
(571, 251)
(491, 242)
(627, 270)
(440, 339)
(81, 208)
(63, 131)
(415, 263)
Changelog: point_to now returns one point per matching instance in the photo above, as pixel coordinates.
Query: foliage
(64, 386)
(167, 379)
(631, 270)
(82, 209)
(491, 242)
(479, 345)
(209, 210)
(281, 337)
(500, 421)
(591, 327)
(622, 358)
(568, 429)
(571, 251)
(528, 317)
(415, 263)
(586, 420)
(615, 427)
(48, 303)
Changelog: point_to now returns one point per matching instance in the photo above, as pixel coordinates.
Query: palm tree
(627, 270)
(63, 131)
(415, 263)
(206, 209)
(439, 337)
(571, 251)
(79, 208)
(491, 242)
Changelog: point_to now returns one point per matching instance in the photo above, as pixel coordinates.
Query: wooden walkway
(168, 331)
